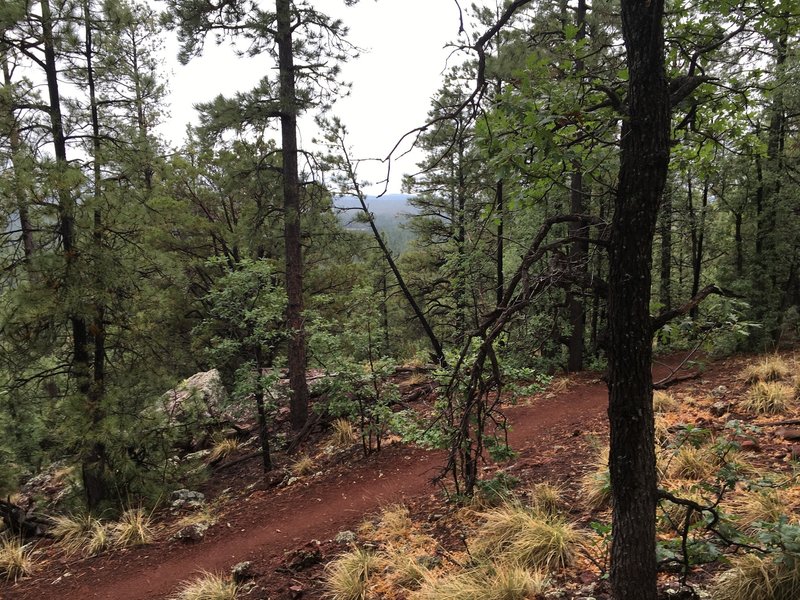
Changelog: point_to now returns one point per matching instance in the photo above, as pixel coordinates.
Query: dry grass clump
(81, 533)
(223, 448)
(344, 434)
(518, 535)
(664, 401)
(558, 385)
(395, 523)
(690, 462)
(305, 465)
(772, 368)
(759, 578)
(546, 498)
(134, 528)
(348, 576)
(596, 484)
(673, 516)
(765, 505)
(494, 582)
(16, 559)
(662, 434)
(768, 398)
(208, 586)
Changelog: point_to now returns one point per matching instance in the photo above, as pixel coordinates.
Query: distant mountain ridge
(390, 205)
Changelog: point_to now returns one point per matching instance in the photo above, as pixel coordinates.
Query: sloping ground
(263, 525)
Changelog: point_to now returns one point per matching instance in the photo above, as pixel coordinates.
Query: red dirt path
(267, 523)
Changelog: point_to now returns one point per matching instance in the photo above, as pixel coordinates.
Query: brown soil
(273, 526)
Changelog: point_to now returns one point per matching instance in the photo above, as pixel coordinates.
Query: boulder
(187, 499)
(200, 397)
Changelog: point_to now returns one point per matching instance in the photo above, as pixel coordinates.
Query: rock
(191, 533)
(246, 588)
(345, 537)
(794, 452)
(50, 487)
(429, 561)
(720, 408)
(719, 391)
(750, 446)
(305, 557)
(187, 499)
(242, 571)
(789, 434)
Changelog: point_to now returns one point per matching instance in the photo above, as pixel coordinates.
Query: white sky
(392, 81)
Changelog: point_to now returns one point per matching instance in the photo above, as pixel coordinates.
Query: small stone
(719, 391)
(750, 446)
(246, 588)
(242, 571)
(429, 561)
(720, 408)
(292, 480)
(345, 537)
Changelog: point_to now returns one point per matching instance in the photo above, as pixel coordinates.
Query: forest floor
(288, 533)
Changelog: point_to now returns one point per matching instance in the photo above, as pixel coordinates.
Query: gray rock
(242, 571)
(720, 408)
(191, 533)
(719, 391)
(187, 499)
(345, 537)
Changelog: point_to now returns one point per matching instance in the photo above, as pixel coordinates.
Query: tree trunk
(665, 280)
(296, 359)
(20, 196)
(94, 463)
(500, 208)
(579, 250)
(644, 161)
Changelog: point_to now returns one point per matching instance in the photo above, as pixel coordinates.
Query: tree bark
(296, 354)
(579, 251)
(644, 161)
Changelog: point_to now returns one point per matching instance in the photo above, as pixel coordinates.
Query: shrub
(768, 398)
(207, 587)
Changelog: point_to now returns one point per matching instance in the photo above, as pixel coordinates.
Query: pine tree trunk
(579, 250)
(643, 169)
(296, 359)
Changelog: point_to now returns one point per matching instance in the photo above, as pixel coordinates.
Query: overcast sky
(392, 81)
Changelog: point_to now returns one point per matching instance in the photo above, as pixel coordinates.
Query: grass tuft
(664, 402)
(495, 582)
(395, 523)
(772, 368)
(344, 434)
(768, 398)
(690, 462)
(223, 448)
(348, 576)
(546, 498)
(596, 484)
(305, 465)
(80, 533)
(207, 587)
(16, 560)
(755, 578)
(518, 535)
(134, 528)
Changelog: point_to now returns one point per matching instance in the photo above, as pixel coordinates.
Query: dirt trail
(269, 523)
